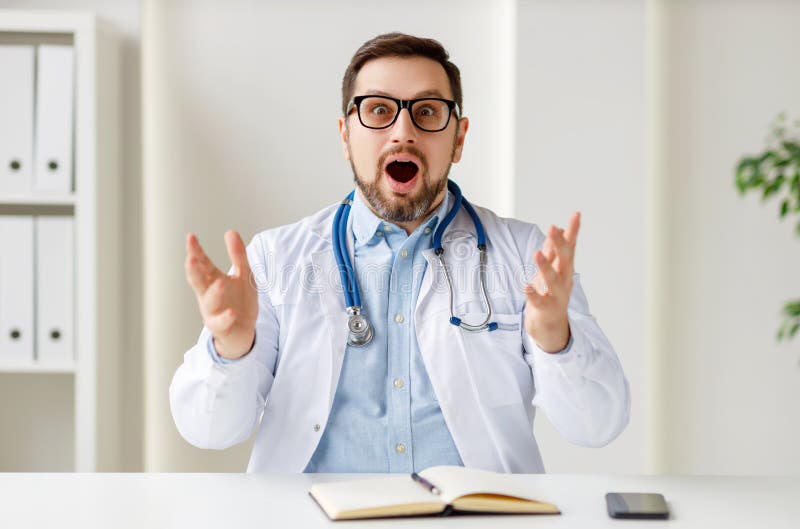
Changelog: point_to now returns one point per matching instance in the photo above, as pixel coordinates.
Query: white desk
(233, 501)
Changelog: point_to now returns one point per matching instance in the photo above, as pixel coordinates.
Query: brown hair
(399, 45)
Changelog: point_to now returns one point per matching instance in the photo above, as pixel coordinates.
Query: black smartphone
(636, 505)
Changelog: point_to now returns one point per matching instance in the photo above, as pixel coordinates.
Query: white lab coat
(488, 384)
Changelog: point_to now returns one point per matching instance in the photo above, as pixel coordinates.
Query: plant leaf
(792, 308)
(745, 172)
(772, 187)
(767, 156)
(793, 148)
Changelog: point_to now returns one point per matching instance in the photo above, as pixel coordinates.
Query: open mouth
(402, 171)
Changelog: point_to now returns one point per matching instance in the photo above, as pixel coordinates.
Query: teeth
(402, 160)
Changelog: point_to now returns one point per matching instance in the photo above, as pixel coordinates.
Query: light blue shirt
(385, 416)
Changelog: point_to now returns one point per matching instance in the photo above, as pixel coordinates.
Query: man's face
(402, 170)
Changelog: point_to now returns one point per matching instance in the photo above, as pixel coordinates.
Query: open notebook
(436, 490)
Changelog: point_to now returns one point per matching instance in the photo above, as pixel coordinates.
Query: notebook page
(371, 493)
(456, 481)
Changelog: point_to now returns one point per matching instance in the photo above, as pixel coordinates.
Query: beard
(398, 208)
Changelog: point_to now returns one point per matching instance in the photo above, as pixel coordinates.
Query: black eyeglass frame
(401, 104)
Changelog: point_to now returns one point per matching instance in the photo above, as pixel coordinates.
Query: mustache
(406, 149)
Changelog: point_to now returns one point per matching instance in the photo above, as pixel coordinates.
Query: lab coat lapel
(442, 350)
(433, 293)
(327, 283)
(429, 279)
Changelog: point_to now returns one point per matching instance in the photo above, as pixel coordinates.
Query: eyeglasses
(431, 114)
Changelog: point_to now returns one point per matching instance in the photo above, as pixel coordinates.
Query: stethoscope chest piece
(360, 330)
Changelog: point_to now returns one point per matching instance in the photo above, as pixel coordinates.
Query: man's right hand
(228, 303)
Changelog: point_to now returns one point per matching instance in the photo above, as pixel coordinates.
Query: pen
(425, 483)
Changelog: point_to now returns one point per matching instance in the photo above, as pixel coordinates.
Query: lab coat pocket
(498, 372)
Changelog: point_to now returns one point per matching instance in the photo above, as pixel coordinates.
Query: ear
(461, 133)
(343, 132)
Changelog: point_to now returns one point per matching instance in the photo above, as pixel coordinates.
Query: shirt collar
(366, 224)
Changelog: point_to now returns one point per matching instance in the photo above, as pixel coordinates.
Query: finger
(237, 252)
(193, 246)
(554, 238)
(195, 276)
(221, 323)
(538, 280)
(193, 249)
(539, 284)
(191, 242)
(571, 234)
(548, 272)
(564, 254)
(533, 297)
(547, 247)
(214, 297)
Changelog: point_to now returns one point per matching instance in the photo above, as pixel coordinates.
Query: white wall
(581, 118)
(732, 398)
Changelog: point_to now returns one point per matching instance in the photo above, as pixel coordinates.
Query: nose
(403, 130)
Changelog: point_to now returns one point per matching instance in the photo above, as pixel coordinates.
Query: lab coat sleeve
(217, 405)
(583, 389)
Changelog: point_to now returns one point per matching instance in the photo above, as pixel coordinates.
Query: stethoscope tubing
(347, 273)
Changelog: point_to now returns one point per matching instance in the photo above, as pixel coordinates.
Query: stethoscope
(361, 332)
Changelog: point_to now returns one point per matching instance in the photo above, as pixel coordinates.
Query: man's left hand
(548, 293)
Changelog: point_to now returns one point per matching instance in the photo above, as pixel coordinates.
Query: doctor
(403, 328)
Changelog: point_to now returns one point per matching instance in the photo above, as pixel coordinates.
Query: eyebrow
(424, 93)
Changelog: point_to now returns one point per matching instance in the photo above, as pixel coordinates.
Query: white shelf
(42, 200)
(32, 367)
(94, 374)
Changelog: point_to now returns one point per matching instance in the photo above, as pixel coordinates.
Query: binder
(55, 276)
(16, 119)
(55, 85)
(16, 290)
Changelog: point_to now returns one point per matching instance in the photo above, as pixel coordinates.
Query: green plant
(776, 173)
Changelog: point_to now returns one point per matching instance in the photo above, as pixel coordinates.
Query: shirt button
(398, 318)
(427, 231)
(379, 233)
(316, 427)
(400, 448)
(403, 253)
(398, 383)
(387, 228)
